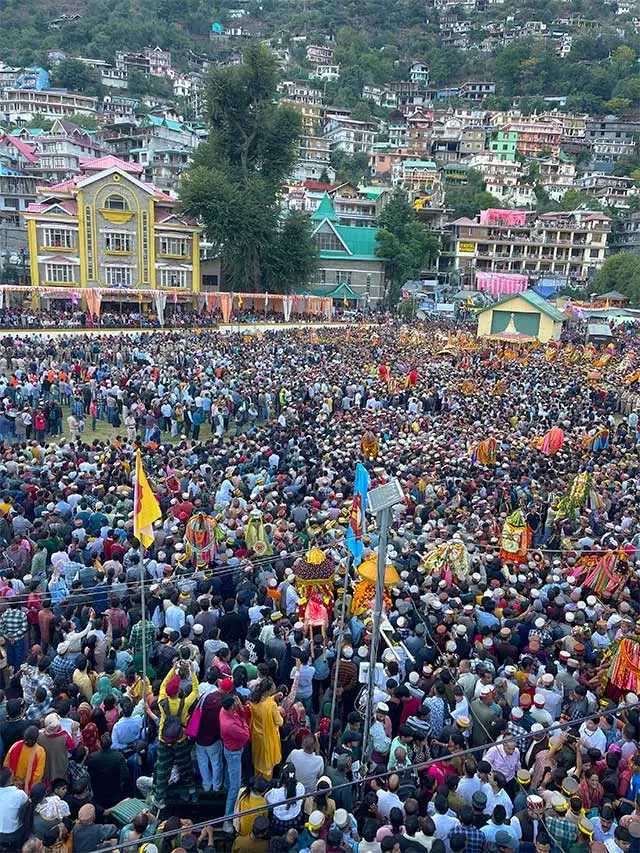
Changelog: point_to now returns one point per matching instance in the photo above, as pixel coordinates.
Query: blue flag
(355, 530)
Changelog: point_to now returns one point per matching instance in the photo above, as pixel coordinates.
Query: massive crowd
(117, 316)
(254, 706)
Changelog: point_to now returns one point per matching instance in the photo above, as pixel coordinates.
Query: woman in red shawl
(88, 730)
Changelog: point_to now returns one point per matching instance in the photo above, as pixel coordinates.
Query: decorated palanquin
(314, 582)
(451, 561)
(516, 538)
(364, 594)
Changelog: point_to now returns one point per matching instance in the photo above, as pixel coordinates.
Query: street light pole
(380, 501)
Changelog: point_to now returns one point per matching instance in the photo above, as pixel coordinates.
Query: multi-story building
(320, 54)
(510, 191)
(326, 73)
(20, 106)
(420, 179)
(115, 107)
(556, 177)
(357, 205)
(503, 144)
(348, 266)
(161, 145)
(348, 135)
(382, 159)
(477, 90)
(625, 236)
(419, 73)
(8, 75)
(107, 228)
(17, 192)
(190, 90)
(311, 115)
(535, 138)
(610, 190)
(373, 92)
(472, 141)
(419, 129)
(300, 92)
(571, 244)
(612, 137)
(314, 159)
(573, 126)
(153, 61)
(407, 96)
(110, 76)
(59, 150)
(491, 166)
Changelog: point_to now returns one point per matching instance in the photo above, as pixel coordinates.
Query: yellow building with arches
(108, 228)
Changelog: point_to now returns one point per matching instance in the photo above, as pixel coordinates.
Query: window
(174, 246)
(116, 202)
(117, 276)
(173, 278)
(343, 277)
(328, 241)
(60, 273)
(145, 246)
(88, 226)
(114, 242)
(58, 238)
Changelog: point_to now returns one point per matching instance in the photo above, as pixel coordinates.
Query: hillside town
(577, 171)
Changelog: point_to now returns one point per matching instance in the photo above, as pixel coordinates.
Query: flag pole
(143, 608)
(143, 529)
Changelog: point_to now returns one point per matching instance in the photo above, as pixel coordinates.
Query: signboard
(469, 248)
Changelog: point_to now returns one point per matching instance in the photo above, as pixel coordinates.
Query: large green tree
(405, 244)
(620, 272)
(236, 175)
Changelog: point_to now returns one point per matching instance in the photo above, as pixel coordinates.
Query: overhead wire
(424, 765)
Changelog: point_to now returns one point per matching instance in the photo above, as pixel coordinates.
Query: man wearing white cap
(552, 695)
(538, 711)
(484, 716)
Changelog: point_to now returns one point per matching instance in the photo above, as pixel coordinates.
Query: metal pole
(339, 645)
(143, 617)
(384, 520)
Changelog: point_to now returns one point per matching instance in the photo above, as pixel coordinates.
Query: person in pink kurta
(316, 616)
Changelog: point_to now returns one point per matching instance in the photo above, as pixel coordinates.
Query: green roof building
(348, 267)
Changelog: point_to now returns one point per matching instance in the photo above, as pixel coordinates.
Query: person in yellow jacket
(174, 749)
(266, 720)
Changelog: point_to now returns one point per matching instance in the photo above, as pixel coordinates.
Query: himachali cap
(570, 786)
(558, 802)
(586, 827)
(523, 777)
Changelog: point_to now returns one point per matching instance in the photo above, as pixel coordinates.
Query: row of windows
(60, 238)
(114, 276)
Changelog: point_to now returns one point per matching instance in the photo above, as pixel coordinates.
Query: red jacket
(234, 728)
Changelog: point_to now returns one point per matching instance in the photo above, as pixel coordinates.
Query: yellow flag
(146, 508)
